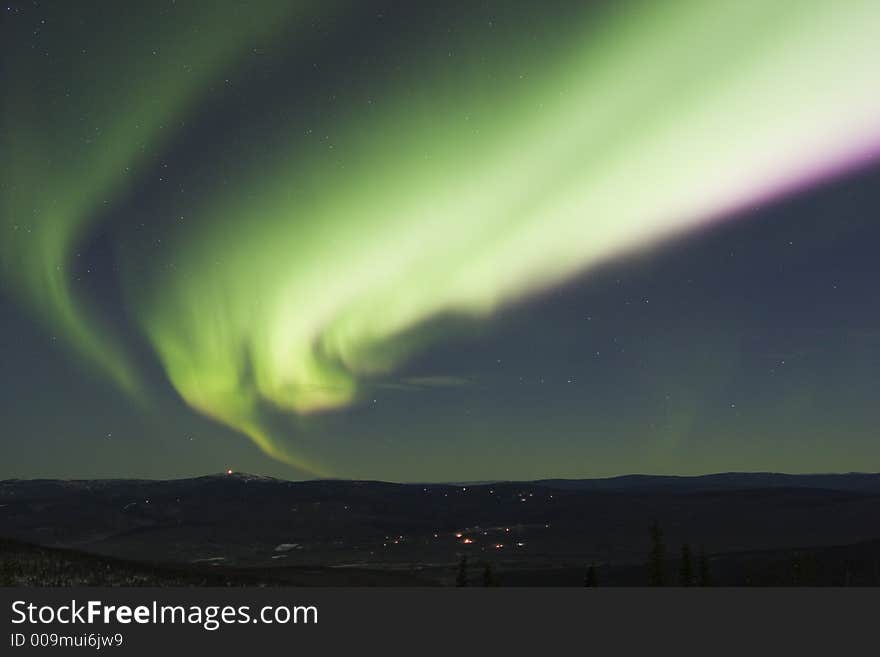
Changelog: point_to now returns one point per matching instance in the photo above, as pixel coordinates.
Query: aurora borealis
(345, 231)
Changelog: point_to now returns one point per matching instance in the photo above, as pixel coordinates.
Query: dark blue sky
(753, 344)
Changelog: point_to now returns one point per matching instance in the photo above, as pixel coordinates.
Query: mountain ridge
(635, 481)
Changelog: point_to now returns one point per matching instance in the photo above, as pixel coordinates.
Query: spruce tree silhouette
(705, 577)
(462, 578)
(591, 579)
(686, 567)
(488, 575)
(657, 560)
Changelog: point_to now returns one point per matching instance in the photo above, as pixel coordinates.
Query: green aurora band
(464, 181)
(58, 174)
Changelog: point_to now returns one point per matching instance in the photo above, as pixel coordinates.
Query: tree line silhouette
(687, 575)
(857, 565)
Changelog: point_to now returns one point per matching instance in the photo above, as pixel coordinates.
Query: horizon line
(480, 482)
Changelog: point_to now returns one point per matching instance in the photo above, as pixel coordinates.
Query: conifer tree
(591, 579)
(488, 575)
(657, 560)
(462, 579)
(705, 576)
(686, 567)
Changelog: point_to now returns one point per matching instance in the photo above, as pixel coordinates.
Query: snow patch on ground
(287, 547)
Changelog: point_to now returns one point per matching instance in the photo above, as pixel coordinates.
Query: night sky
(452, 241)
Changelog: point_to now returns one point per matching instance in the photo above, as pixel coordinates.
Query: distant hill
(240, 522)
(855, 481)
(23, 564)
